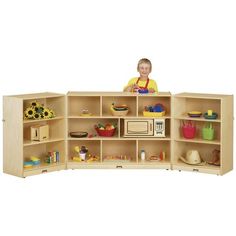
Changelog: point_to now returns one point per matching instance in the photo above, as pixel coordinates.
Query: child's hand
(151, 90)
(135, 87)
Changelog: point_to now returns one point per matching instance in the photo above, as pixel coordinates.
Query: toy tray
(78, 134)
(153, 114)
(212, 117)
(194, 114)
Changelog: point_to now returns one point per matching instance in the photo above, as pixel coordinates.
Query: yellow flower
(46, 113)
(35, 104)
(36, 116)
(52, 113)
(29, 112)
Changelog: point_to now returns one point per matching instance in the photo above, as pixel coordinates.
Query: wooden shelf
(29, 142)
(167, 138)
(198, 140)
(196, 119)
(43, 120)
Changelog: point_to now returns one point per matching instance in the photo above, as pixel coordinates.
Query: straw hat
(192, 158)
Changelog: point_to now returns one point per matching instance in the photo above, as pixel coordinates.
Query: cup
(209, 112)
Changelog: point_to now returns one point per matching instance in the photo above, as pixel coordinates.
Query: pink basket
(188, 130)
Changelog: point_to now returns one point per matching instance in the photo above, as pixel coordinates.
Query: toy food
(194, 114)
(106, 130)
(123, 158)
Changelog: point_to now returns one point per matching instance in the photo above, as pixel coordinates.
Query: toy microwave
(144, 127)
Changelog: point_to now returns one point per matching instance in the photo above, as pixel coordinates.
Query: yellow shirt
(152, 83)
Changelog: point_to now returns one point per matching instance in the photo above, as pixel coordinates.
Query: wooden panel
(13, 136)
(38, 95)
(227, 134)
(120, 94)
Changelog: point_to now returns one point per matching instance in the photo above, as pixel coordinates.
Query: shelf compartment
(183, 105)
(117, 148)
(93, 147)
(56, 131)
(87, 125)
(108, 100)
(205, 151)
(153, 147)
(178, 134)
(57, 104)
(41, 151)
(76, 104)
(148, 100)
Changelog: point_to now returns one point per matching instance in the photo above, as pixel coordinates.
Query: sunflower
(52, 113)
(36, 116)
(46, 113)
(29, 112)
(35, 104)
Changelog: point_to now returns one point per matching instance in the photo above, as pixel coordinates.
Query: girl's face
(144, 69)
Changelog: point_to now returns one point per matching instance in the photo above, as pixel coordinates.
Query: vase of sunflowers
(37, 111)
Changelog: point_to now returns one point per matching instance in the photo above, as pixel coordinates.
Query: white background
(94, 46)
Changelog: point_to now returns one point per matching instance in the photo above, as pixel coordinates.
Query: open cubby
(57, 104)
(76, 104)
(127, 142)
(87, 125)
(153, 148)
(41, 151)
(152, 100)
(56, 131)
(117, 148)
(130, 101)
(178, 133)
(188, 104)
(93, 147)
(205, 151)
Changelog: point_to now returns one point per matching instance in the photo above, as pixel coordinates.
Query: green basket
(208, 132)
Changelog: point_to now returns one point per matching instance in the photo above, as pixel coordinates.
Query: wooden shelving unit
(117, 144)
(18, 147)
(17, 144)
(222, 104)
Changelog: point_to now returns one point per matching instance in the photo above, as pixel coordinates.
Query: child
(144, 68)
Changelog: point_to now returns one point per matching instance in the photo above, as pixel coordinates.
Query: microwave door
(141, 128)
